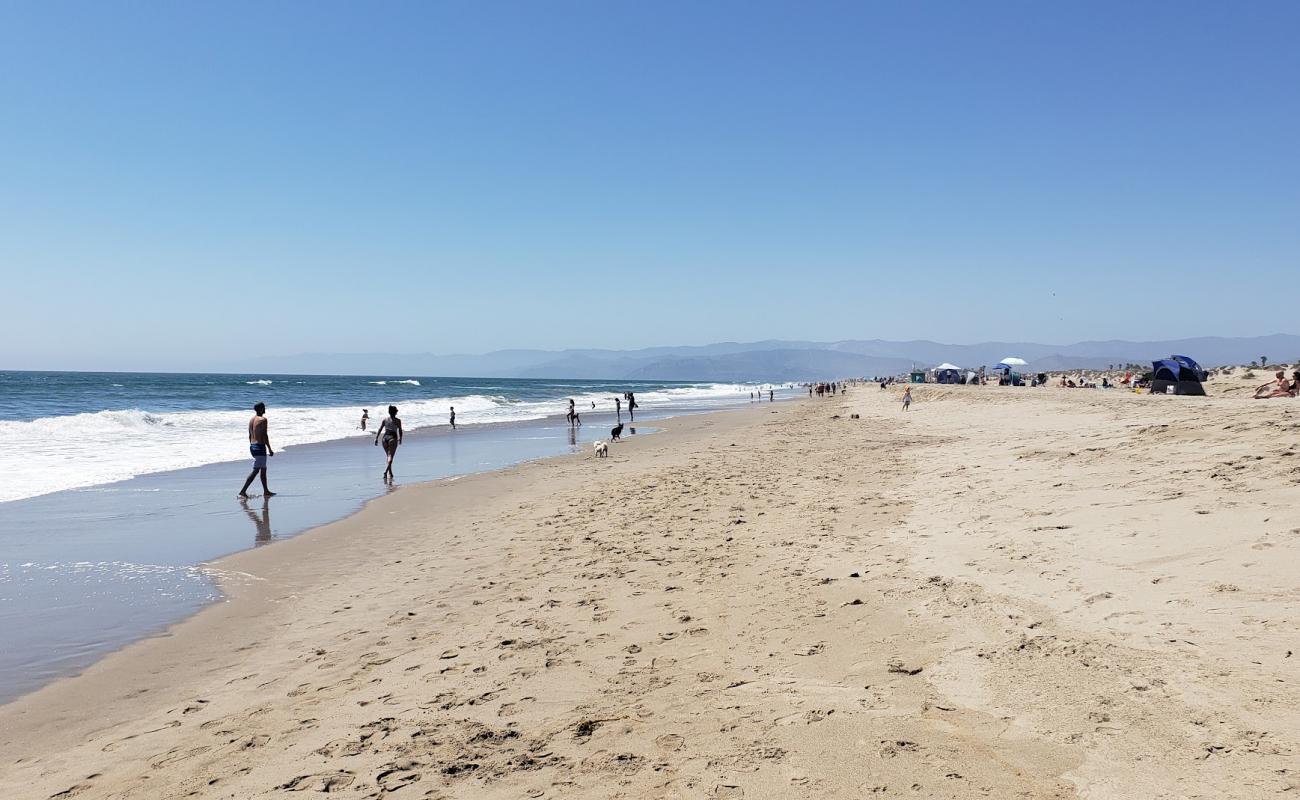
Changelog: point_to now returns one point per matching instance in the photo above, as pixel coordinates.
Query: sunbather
(1277, 388)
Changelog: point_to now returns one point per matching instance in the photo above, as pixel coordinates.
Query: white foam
(85, 450)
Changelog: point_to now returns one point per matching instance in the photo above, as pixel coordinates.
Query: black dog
(616, 432)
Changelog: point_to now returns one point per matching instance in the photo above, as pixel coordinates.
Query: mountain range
(777, 360)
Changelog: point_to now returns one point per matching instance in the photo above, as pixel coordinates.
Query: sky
(186, 184)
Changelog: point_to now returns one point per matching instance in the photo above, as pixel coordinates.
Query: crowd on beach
(575, 419)
(389, 434)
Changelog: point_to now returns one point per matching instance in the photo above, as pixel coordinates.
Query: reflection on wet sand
(262, 521)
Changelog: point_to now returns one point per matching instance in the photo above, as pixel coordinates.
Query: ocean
(120, 487)
(70, 430)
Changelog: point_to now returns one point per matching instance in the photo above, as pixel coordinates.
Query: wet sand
(1001, 593)
(86, 571)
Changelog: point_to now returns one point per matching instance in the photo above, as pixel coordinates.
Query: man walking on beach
(259, 445)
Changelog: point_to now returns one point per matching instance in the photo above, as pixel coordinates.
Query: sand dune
(1002, 593)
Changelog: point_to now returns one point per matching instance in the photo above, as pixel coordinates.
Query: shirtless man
(259, 445)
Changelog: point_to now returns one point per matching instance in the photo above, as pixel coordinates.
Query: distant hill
(776, 360)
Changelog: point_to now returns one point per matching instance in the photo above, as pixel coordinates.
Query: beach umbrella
(1012, 361)
(946, 365)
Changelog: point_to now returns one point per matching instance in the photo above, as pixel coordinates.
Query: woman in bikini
(391, 432)
(1278, 388)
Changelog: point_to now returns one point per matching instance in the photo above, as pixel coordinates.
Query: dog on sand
(601, 449)
(616, 433)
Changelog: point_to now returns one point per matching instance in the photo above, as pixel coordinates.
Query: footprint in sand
(396, 775)
(670, 742)
(320, 782)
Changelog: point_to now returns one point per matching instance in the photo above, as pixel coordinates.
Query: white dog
(602, 449)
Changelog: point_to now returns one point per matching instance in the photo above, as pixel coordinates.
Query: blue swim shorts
(258, 451)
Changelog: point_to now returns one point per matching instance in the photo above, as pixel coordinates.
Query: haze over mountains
(776, 360)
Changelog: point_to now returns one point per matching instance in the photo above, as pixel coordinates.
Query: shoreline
(471, 420)
(998, 593)
(116, 556)
(240, 578)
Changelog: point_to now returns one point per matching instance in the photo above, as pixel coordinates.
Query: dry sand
(1007, 593)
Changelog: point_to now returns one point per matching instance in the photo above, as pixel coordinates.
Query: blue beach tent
(1008, 378)
(1180, 373)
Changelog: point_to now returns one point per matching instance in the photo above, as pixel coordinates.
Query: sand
(1028, 593)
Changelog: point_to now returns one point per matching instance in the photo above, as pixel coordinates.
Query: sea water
(120, 487)
(67, 430)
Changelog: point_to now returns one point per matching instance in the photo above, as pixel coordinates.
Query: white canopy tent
(946, 365)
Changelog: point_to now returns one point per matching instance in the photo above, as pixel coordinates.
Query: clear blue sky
(186, 183)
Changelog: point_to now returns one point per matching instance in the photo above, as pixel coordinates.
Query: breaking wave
(75, 451)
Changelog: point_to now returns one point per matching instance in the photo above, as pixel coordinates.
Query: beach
(96, 559)
(1003, 592)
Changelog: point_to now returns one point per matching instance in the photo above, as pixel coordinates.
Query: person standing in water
(259, 446)
(618, 408)
(631, 406)
(453, 418)
(572, 414)
(391, 431)
(365, 417)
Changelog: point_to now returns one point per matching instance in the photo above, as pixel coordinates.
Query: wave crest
(80, 450)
